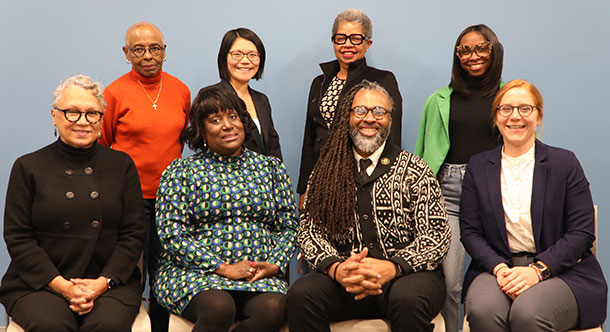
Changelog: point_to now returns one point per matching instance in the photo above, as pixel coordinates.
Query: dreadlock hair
(330, 201)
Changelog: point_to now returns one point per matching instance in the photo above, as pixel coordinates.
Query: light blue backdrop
(561, 46)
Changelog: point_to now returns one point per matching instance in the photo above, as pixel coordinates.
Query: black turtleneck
(470, 124)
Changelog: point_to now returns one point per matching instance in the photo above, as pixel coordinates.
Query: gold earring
(99, 135)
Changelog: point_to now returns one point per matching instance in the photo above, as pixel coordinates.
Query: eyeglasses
(361, 111)
(73, 116)
(238, 56)
(465, 52)
(355, 39)
(524, 110)
(155, 50)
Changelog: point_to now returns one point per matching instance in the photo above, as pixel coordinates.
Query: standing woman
(351, 38)
(241, 58)
(456, 125)
(528, 221)
(146, 113)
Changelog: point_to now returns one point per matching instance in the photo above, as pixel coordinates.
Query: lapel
(254, 130)
(494, 187)
(538, 191)
(443, 108)
(390, 153)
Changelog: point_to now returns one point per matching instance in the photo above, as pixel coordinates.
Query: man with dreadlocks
(374, 227)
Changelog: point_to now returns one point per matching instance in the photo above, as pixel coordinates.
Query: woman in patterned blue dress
(227, 222)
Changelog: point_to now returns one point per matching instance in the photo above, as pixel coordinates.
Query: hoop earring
(128, 62)
(164, 59)
(55, 132)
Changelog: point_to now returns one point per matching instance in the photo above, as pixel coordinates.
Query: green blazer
(433, 137)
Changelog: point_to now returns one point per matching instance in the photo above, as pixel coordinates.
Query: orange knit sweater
(151, 137)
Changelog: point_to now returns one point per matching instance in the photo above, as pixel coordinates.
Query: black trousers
(46, 311)
(159, 317)
(409, 303)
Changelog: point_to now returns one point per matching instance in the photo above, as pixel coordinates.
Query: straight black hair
(225, 46)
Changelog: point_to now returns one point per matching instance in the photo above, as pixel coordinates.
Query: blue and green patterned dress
(213, 209)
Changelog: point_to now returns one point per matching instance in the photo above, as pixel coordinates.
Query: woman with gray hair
(352, 34)
(74, 225)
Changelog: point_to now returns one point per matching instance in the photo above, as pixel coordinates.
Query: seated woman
(227, 222)
(527, 220)
(74, 225)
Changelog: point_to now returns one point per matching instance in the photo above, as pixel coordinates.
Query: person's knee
(116, 324)
(45, 323)
(305, 289)
(523, 314)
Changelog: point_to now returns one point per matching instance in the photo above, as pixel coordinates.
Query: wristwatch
(544, 271)
(111, 283)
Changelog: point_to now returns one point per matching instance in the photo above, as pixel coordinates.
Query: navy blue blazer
(271, 140)
(562, 222)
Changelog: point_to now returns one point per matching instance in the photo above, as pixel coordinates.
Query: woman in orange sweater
(146, 111)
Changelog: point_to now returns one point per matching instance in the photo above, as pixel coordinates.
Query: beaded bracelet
(538, 272)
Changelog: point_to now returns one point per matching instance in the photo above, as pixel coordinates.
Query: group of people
(385, 231)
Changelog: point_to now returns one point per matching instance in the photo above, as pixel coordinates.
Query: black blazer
(77, 213)
(271, 139)
(562, 222)
(316, 130)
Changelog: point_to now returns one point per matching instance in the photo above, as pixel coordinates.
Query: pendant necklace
(154, 105)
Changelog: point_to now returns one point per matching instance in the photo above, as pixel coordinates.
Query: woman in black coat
(74, 225)
(351, 37)
(241, 58)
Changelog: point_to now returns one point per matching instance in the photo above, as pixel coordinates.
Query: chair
(140, 324)
(466, 326)
(179, 324)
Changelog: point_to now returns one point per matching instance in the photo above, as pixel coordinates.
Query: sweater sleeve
(110, 119)
(31, 262)
(432, 233)
(132, 229)
(174, 219)
(285, 222)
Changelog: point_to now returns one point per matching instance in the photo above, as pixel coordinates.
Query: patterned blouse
(330, 99)
(213, 209)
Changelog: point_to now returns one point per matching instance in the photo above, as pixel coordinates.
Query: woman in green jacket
(456, 124)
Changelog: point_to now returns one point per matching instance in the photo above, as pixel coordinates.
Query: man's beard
(369, 144)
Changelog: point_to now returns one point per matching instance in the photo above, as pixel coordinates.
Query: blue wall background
(560, 46)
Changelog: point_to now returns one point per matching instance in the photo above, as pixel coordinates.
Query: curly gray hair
(82, 81)
(357, 16)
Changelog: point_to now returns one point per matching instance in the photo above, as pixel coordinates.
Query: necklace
(154, 105)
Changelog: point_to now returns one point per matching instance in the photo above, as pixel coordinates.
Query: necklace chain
(154, 105)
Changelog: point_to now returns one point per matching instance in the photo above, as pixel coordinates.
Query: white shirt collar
(374, 157)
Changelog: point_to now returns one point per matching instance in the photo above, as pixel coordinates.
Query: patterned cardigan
(409, 224)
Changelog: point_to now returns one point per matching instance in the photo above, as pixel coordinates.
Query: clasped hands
(247, 270)
(516, 280)
(363, 275)
(81, 293)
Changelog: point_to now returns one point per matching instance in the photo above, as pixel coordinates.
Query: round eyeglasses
(238, 56)
(524, 110)
(139, 51)
(465, 52)
(355, 39)
(361, 111)
(73, 116)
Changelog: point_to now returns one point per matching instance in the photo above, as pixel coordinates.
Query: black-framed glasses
(355, 39)
(73, 116)
(524, 110)
(482, 49)
(239, 55)
(139, 51)
(361, 111)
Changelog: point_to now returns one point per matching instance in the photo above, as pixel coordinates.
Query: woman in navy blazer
(558, 283)
(241, 58)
